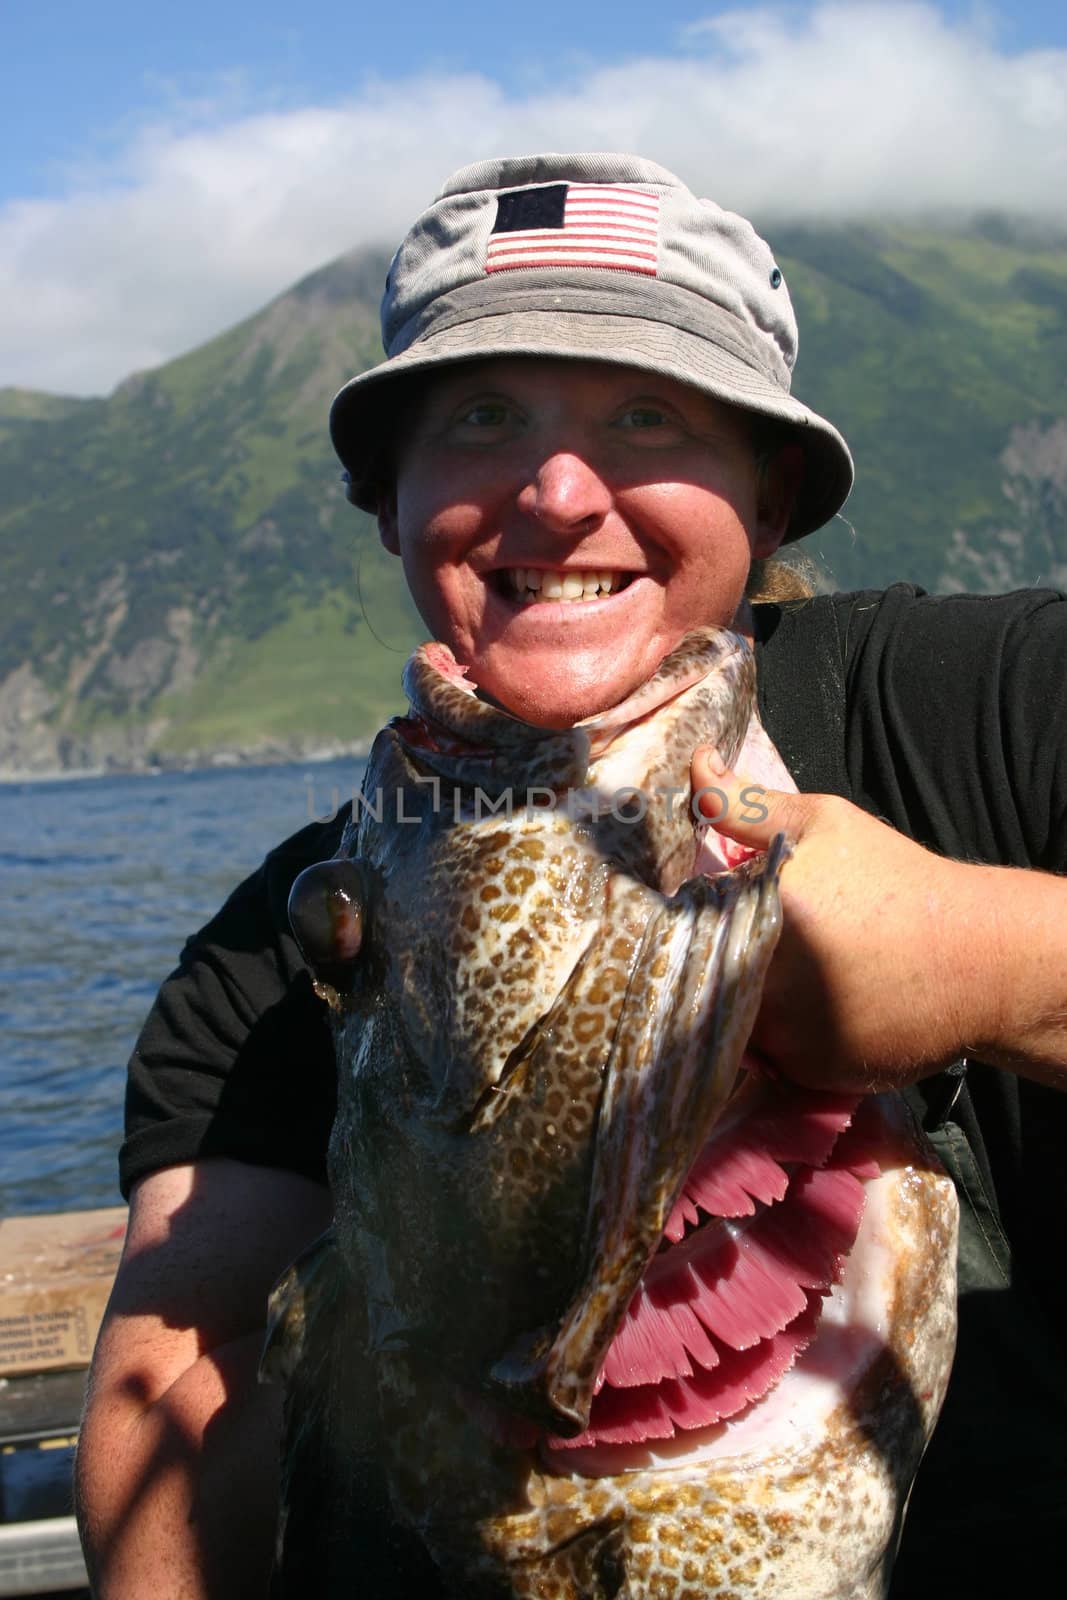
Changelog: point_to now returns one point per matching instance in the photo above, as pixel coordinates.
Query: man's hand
(894, 961)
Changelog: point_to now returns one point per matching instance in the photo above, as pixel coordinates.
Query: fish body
(601, 1313)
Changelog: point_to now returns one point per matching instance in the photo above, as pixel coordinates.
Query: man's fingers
(743, 809)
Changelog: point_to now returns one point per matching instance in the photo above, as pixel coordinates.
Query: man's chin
(559, 693)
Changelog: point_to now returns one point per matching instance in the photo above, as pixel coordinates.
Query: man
(588, 376)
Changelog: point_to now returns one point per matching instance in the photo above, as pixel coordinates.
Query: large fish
(602, 1312)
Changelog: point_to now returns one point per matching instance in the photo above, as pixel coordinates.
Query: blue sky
(167, 169)
(75, 76)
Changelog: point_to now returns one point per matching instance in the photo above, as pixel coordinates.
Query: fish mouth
(734, 1295)
(758, 1238)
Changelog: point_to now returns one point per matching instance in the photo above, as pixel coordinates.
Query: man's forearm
(178, 1498)
(1022, 919)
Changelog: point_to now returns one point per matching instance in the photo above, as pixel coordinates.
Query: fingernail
(715, 761)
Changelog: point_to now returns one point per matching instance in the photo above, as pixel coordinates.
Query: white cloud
(837, 109)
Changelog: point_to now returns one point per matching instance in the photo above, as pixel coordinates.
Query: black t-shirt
(945, 716)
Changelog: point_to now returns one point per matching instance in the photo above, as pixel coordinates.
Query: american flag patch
(610, 225)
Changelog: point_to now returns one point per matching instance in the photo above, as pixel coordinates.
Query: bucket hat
(589, 257)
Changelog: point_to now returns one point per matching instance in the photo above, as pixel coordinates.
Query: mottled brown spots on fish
(576, 1121)
(602, 988)
(480, 927)
(587, 1025)
(495, 839)
(746, 1572)
(559, 1525)
(519, 880)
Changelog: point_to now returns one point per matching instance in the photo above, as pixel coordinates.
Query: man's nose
(565, 493)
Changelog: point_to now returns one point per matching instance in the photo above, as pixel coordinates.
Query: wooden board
(56, 1273)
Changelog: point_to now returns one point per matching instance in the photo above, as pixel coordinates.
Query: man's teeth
(535, 584)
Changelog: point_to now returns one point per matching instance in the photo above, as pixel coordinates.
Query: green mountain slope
(185, 574)
(942, 357)
(183, 577)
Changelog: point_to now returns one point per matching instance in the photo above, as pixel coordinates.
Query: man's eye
(644, 417)
(486, 414)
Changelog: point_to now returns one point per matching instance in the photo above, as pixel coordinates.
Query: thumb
(742, 808)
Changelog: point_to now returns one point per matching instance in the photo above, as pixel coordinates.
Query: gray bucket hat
(591, 257)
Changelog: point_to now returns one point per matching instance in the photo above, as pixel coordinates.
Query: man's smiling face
(564, 524)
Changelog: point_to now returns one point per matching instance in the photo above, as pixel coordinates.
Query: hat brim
(364, 413)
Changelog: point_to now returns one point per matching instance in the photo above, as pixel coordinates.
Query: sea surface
(101, 882)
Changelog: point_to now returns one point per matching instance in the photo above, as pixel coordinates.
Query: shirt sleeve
(956, 729)
(235, 1057)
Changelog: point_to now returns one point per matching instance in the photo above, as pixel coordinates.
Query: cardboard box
(55, 1277)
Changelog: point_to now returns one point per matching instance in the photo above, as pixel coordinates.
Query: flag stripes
(604, 225)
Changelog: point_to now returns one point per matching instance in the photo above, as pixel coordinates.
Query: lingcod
(607, 1308)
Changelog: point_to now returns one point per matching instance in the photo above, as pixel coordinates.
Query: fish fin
(667, 1081)
(304, 1288)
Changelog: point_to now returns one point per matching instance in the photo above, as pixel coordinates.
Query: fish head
(538, 1016)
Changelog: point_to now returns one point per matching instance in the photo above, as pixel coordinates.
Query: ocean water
(101, 882)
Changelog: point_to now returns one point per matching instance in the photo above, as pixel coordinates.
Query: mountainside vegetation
(184, 581)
